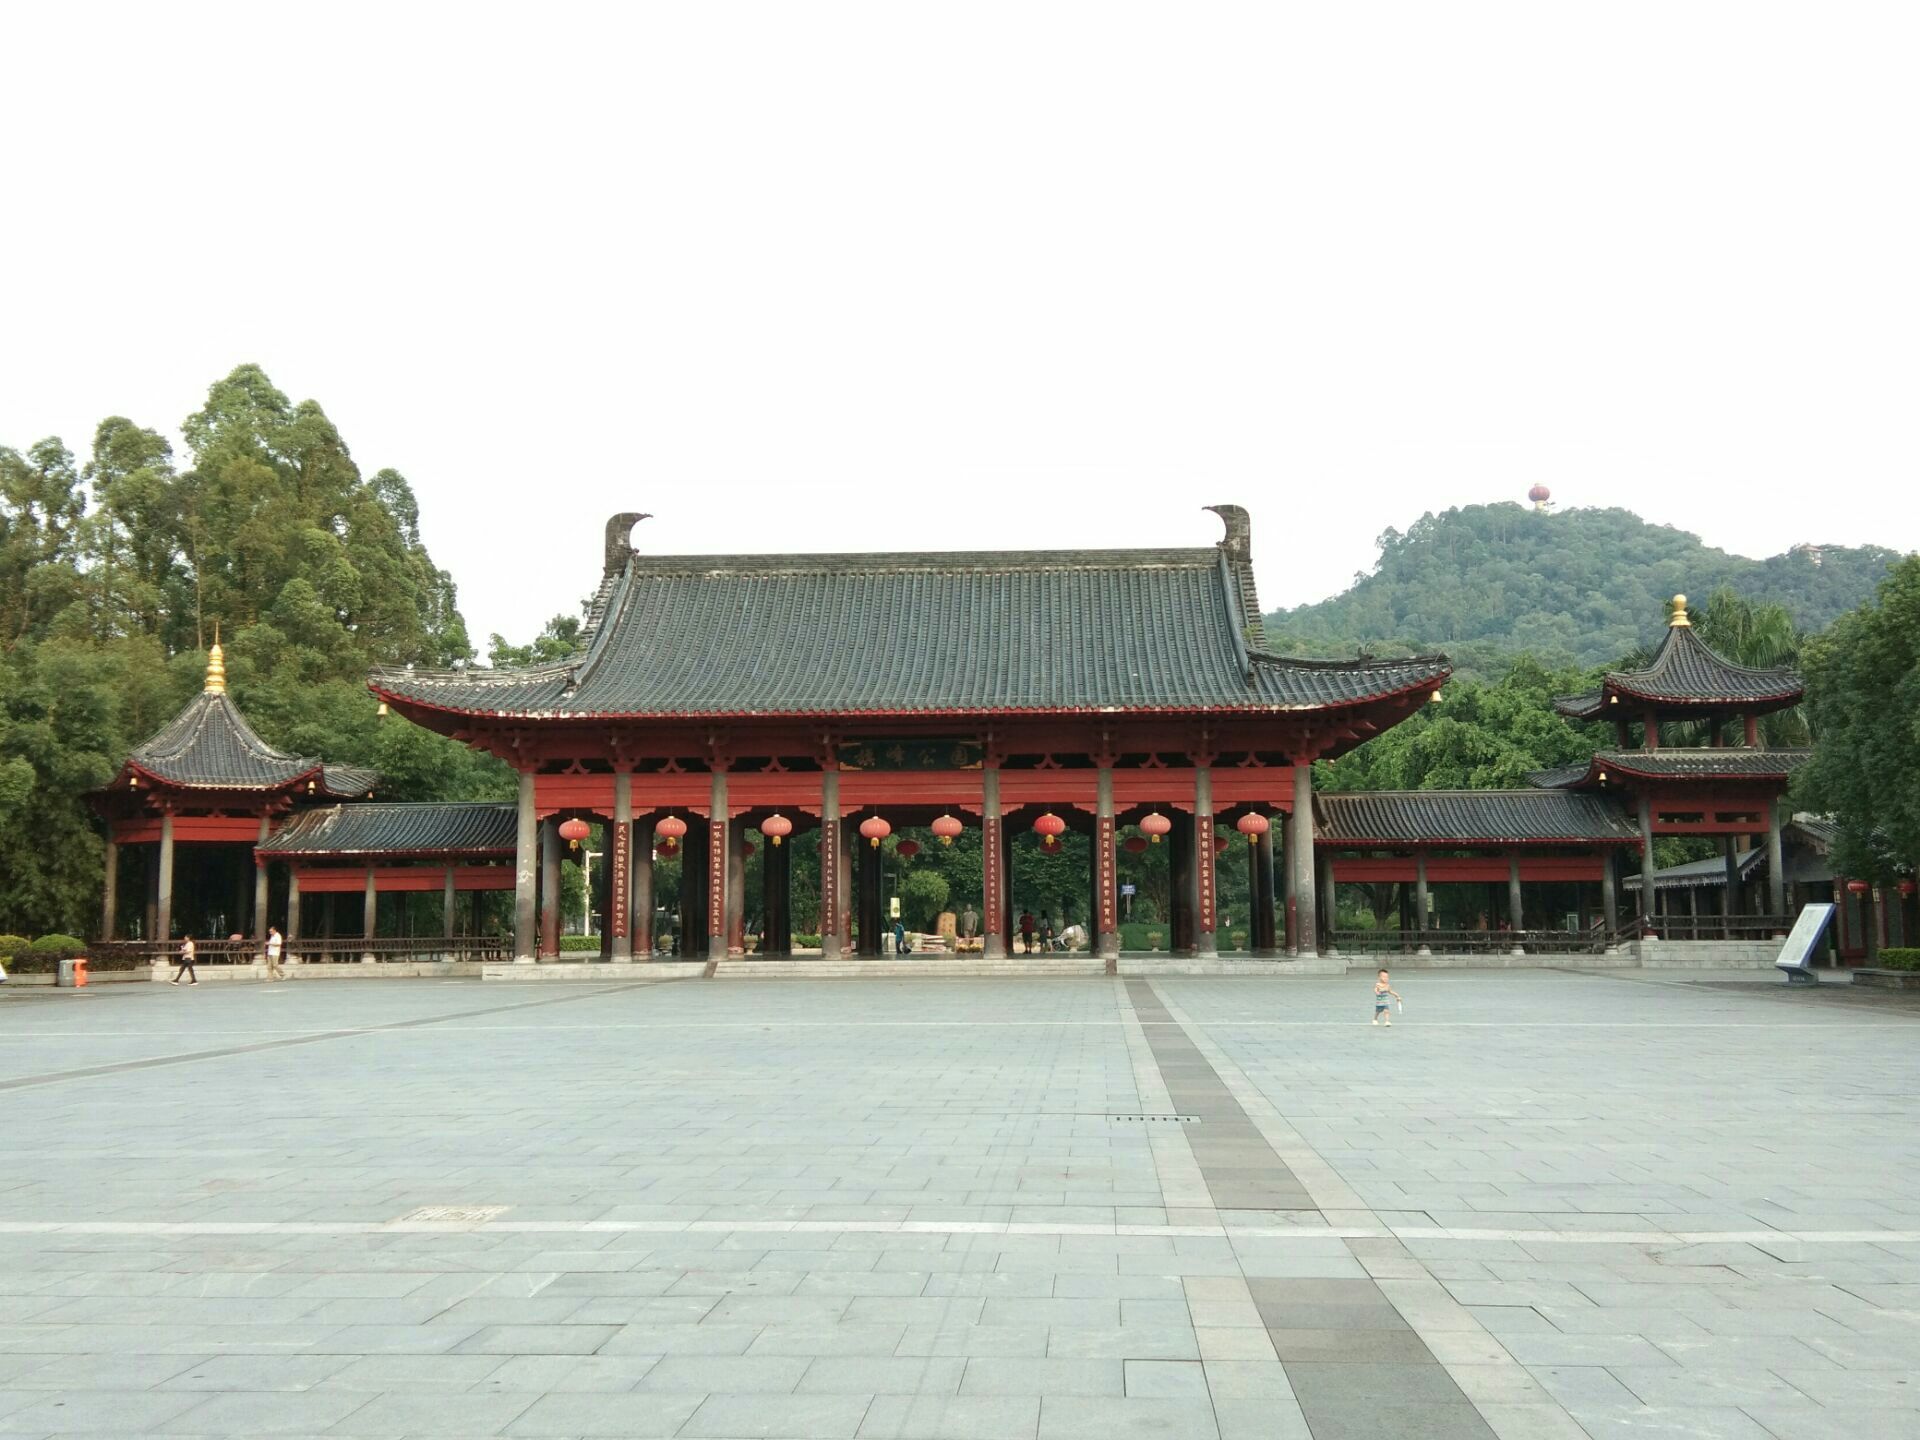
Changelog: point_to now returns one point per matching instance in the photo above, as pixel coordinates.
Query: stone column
(830, 864)
(163, 920)
(1266, 936)
(1516, 911)
(1301, 860)
(1609, 901)
(1730, 907)
(1290, 935)
(641, 915)
(1329, 901)
(1646, 858)
(993, 879)
(1776, 864)
(109, 891)
(1420, 908)
(1205, 868)
(526, 846)
(293, 907)
(719, 855)
(260, 879)
(549, 888)
(370, 916)
(1106, 872)
(449, 899)
(737, 890)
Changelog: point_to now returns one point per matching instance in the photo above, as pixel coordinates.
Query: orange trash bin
(79, 971)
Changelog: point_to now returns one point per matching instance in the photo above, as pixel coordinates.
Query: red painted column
(1753, 733)
(1204, 867)
(1106, 872)
(829, 864)
(620, 873)
(993, 877)
(719, 847)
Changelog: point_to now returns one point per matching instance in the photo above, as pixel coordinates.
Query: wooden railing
(1475, 942)
(1714, 927)
(334, 950)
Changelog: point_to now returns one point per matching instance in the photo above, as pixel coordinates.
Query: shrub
(51, 944)
(806, 942)
(575, 943)
(1901, 958)
(12, 945)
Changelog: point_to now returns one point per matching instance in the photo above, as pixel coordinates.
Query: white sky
(815, 277)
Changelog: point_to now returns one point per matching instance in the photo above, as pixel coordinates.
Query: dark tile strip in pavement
(1358, 1370)
(53, 1077)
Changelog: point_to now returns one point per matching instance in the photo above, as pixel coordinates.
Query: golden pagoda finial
(1678, 620)
(216, 665)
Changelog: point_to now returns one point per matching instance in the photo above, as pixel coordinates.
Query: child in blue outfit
(1382, 989)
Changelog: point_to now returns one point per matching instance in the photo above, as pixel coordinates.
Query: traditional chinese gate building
(836, 691)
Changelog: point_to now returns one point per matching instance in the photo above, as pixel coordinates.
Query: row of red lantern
(671, 829)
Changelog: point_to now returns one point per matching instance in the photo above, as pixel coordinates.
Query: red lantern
(946, 827)
(1858, 887)
(1134, 844)
(1906, 889)
(671, 827)
(669, 847)
(1155, 825)
(1252, 826)
(1050, 826)
(574, 831)
(776, 828)
(907, 849)
(746, 849)
(1219, 844)
(1050, 844)
(876, 830)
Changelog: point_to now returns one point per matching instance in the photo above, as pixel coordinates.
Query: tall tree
(1863, 693)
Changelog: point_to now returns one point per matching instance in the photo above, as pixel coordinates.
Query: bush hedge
(1901, 958)
(12, 945)
(572, 943)
(62, 945)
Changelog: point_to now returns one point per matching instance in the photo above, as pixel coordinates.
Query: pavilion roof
(1060, 631)
(467, 828)
(1675, 764)
(1685, 674)
(1704, 874)
(210, 746)
(1469, 817)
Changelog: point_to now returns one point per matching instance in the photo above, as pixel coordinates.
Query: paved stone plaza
(1543, 1205)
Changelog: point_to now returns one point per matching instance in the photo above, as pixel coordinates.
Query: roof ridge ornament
(216, 665)
(1678, 619)
(1238, 541)
(620, 539)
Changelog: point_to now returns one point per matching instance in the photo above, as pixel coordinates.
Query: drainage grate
(1159, 1119)
(453, 1214)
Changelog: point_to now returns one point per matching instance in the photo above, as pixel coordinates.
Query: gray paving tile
(1365, 1347)
(435, 1413)
(266, 1413)
(763, 1417)
(995, 1376)
(951, 1417)
(123, 1412)
(632, 1416)
(1124, 1418)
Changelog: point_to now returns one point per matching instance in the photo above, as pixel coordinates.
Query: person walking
(1026, 931)
(274, 944)
(969, 922)
(183, 964)
(1382, 988)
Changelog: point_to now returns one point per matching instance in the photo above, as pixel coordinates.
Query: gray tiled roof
(476, 828)
(1702, 874)
(1056, 631)
(1676, 764)
(1469, 817)
(210, 746)
(1685, 672)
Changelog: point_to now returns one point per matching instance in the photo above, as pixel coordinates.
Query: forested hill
(1577, 587)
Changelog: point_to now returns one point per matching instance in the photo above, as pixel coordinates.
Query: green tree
(1863, 699)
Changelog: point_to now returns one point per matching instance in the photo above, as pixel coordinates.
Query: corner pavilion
(1100, 686)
